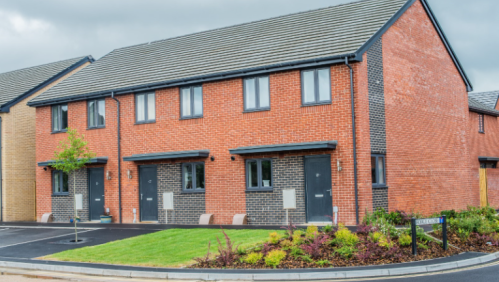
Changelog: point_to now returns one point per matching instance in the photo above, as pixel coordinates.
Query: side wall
(427, 119)
(18, 158)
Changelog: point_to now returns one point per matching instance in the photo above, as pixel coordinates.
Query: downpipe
(354, 143)
(119, 153)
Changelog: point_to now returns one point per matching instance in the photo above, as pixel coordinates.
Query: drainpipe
(354, 144)
(1, 175)
(119, 153)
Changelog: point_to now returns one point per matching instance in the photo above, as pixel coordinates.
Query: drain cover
(72, 241)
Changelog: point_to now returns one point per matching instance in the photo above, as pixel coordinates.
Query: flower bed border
(292, 274)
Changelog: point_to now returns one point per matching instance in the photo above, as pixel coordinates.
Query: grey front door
(96, 192)
(148, 189)
(318, 187)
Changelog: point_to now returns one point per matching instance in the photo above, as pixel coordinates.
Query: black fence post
(414, 237)
(444, 231)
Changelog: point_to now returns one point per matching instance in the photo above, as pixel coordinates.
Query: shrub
(286, 244)
(365, 229)
(311, 232)
(253, 258)
(297, 237)
(274, 258)
(290, 229)
(385, 242)
(376, 236)
(266, 248)
(314, 248)
(306, 258)
(227, 253)
(241, 251)
(405, 240)
(346, 251)
(422, 246)
(344, 237)
(328, 228)
(296, 252)
(322, 263)
(205, 259)
(274, 238)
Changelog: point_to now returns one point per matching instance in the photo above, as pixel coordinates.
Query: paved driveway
(27, 243)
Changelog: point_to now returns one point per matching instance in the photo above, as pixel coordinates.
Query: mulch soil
(377, 255)
(473, 244)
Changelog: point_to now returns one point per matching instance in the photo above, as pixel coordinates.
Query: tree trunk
(74, 202)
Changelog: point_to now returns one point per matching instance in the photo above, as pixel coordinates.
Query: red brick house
(484, 127)
(228, 120)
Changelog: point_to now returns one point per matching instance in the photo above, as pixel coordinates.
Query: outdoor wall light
(233, 158)
(129, 174)
(108, 175)
(45, 168)
(212, 158)
(338, 162)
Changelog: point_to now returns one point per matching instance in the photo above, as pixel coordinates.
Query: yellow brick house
(17, 133)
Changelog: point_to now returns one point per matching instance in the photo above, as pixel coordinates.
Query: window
(59, 118)
(191, 102)
(145, 109)
(60, 182)
(481, 127)
(316, 86)
(256, 94)
(488, 164)
(378, 170)
(259, 174)
(96, 113)
(193, 177)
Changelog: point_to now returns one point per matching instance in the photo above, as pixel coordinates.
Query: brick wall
(63, 205)
(493, 187)
(267, 207)
(18, 158)
(188, 207)
(426, 119)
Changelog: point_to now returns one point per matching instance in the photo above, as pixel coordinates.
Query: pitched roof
(19, 84)
(487, 98)
(480, 107)
(318, 37)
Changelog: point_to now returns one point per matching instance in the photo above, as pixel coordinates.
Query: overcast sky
(37, 32)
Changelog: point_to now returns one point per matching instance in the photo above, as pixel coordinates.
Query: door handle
(141, 197)
(330, 192)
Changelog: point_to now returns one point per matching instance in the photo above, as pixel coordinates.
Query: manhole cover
(72, 241)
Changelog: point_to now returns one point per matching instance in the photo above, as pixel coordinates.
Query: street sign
(429, 221)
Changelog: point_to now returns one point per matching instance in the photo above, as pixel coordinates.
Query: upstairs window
(316, 86)
(191, 102)
(481, 127)
(259, 174)
(96, 113)
(256, 94)
(378, 170)
(193, 177)
(145, 109)
(60, 183)
(59, 118)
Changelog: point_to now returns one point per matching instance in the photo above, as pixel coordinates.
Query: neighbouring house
(484, 127)
(227, 121)
(17, 123)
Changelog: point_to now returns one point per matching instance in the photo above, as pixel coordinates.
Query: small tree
(72, 155)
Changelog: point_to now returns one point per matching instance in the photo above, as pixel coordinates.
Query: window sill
(60, 195)
(144, 122)
(193, 192)
(92, 128)
(186, 118)
(317, 104)
(260, 190)
(380, 187)
(481, 132)
(256, 110)
(56, 132)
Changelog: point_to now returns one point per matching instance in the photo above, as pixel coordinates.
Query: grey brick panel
(63, 206)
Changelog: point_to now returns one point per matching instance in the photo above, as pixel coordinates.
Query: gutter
(119, 154)
(491, 112)
(354, 143)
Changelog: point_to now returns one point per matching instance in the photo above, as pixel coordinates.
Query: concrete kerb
(181, 275)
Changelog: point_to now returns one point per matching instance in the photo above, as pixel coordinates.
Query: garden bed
(376, 242)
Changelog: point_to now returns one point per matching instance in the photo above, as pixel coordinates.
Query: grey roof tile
(321, 33)
(16, 83)
(488, 98)
(479, 107)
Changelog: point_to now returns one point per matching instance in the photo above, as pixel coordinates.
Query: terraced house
(342, 109)
(17, 130)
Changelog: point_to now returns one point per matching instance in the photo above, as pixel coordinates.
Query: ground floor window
(488, 164)
(60, 182)
(378, 170)
(193, 177)
(259, 174)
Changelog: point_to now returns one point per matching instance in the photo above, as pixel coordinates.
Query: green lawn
(168, 248)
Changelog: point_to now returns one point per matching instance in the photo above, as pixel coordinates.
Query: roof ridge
(60, 61)
(245, 23)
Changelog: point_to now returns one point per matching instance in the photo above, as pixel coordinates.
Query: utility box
(168, 201)
(289, 199)
(79, 201)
